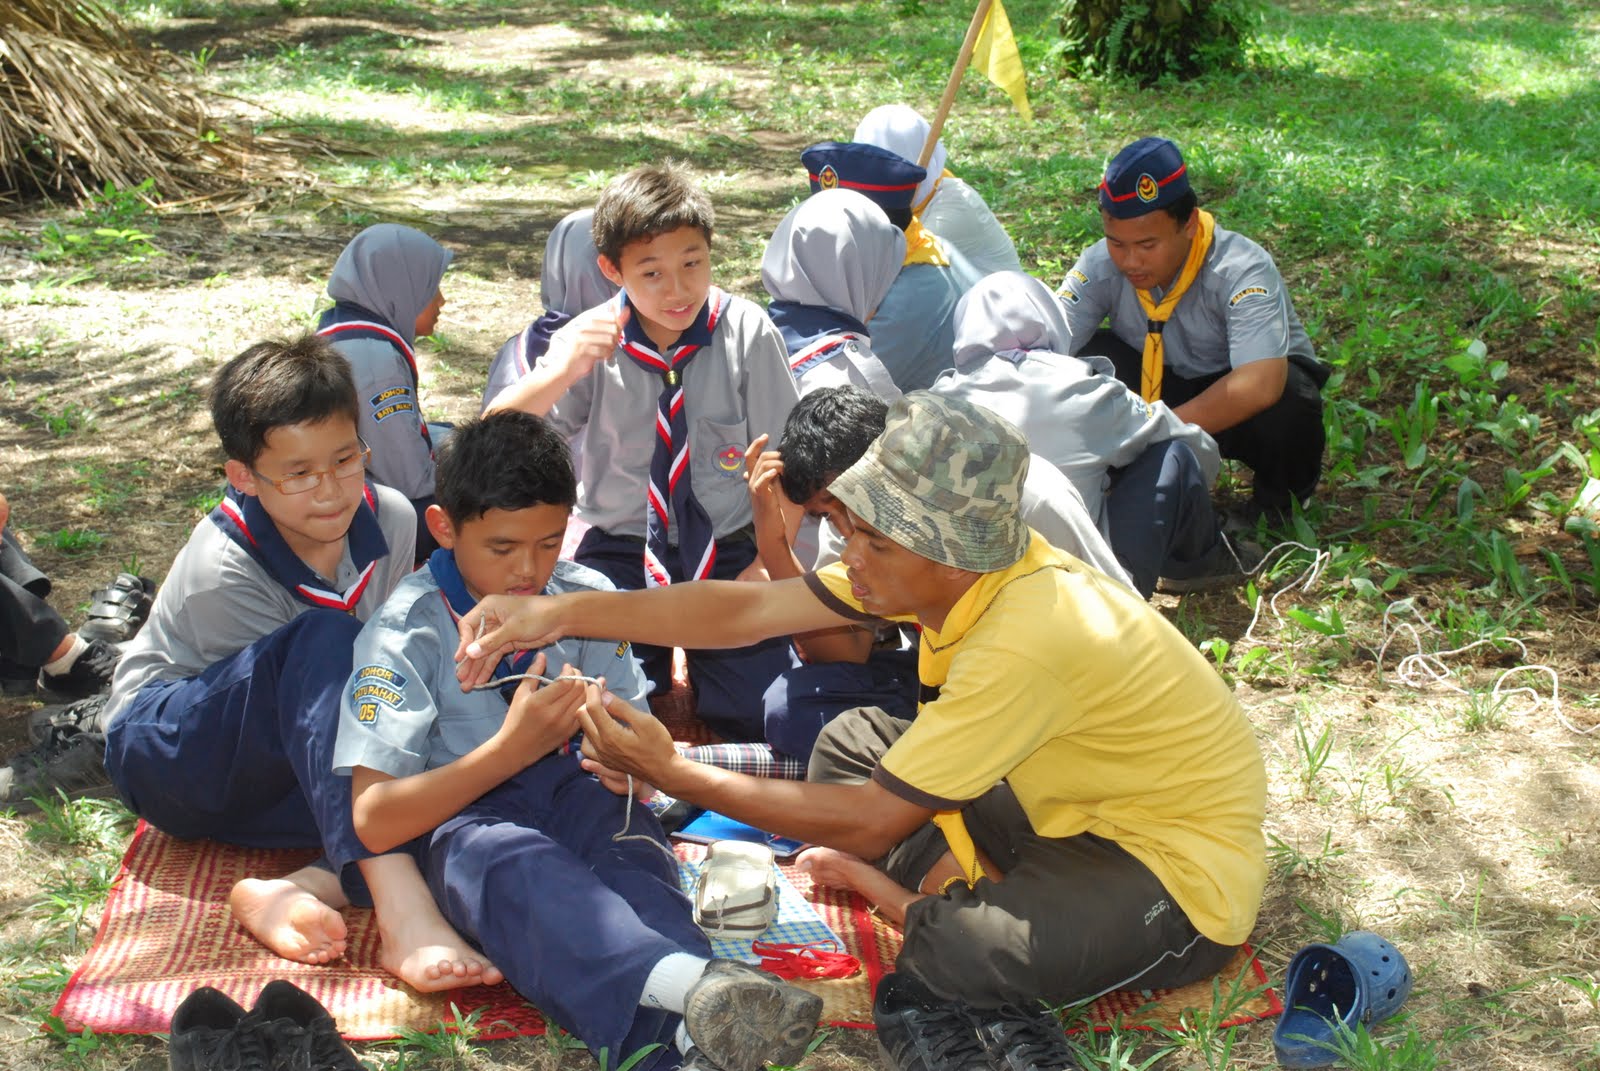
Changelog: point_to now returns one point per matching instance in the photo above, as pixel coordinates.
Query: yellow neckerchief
(1150, 378)
(922, 246)
(921, 206)
(954, 828)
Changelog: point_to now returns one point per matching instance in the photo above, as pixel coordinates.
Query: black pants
(30, 630)
(1075, 916)
(1283, 444)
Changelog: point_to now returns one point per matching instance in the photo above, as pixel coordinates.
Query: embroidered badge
(1078, 275)
(390, 410)
(376, 692)
(1248, 292)
(1070, 295)
(829, 178)
(367, 713)
(622, 648)
(380, 675)
(393, 392)
(730, 457)
(1147, 189)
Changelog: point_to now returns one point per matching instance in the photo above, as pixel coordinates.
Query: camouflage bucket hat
(944, 480)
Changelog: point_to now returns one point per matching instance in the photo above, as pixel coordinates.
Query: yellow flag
(995, 54)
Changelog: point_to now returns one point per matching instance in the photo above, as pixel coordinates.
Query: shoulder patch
(1248, 292)
(1066, 293)
(381, 675)
(391, 409)
(622, 648)
(367, 712)
(375, 692)
(393, 392)
(1077, 275)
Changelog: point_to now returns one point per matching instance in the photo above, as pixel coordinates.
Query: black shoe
(917, 1031)
(69, 762)
(1017, 1039)
(90, 673)
(1227, 564)
(741, 1017)
(84, 715)
(117, 610)
(300, 1032)
(211, 1031)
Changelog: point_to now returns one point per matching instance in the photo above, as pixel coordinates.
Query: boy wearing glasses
(213, 725)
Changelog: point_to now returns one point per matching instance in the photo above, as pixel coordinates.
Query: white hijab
(835, 249)
(391, 270)
(898, 128)
(1009, 312)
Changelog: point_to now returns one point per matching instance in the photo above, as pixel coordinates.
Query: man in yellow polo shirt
(1077, 806)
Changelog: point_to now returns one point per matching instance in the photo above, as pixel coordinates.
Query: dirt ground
(1466, 832)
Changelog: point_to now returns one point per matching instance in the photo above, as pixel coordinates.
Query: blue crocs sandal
(1329, 988)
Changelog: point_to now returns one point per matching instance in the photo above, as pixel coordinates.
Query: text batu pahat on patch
(1145, 176)
(944, 480)
(888, 178)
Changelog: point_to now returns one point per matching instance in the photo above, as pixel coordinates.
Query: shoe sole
(741, 1027)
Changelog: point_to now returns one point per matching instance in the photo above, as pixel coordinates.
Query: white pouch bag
(737, 892)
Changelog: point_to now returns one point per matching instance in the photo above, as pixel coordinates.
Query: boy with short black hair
(668, 383)
(525, 852)
(220, 719)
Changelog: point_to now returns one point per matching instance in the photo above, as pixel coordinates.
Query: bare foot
(428, 955)
(419, 946)
(287, 915)
(841, 870)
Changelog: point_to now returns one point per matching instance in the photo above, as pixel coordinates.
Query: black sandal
(117, 611)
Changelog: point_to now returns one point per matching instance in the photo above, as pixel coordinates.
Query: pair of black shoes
(918, 1031)
(287, 1030)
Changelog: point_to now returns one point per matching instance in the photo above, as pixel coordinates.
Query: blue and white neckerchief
(242, 520)
(442, 564)
(670, 481)
(346, 321)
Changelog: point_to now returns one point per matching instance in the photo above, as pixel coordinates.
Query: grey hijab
(1007, 312)
(898, 128)
(835, 249)
(571, 279)
(391, 270)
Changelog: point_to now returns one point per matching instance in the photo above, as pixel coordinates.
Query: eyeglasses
(300, 483)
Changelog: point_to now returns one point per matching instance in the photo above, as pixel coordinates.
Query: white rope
(1302, 582)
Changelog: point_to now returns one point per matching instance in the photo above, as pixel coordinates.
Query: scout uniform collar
(442, 564)
(240, 517)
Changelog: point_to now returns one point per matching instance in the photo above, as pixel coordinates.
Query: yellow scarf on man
(1158, 315)
(922, 246)
(918, 208)
(954, 828)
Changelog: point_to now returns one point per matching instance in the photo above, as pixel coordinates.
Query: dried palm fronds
(81, 106)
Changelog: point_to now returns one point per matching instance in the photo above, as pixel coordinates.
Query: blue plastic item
(1360, 979)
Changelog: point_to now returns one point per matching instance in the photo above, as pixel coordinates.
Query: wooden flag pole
(962, 59)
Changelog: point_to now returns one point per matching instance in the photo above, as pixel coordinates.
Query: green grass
(1425, 175)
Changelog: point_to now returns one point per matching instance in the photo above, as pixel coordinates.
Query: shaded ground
(1463, 828)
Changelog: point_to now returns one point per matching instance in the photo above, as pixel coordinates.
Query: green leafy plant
(1148, 40)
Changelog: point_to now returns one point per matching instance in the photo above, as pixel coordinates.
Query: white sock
(670, 980)
(682, 1039)
(64, 663)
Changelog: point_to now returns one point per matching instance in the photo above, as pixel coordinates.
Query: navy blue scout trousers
(243, 753)
(810, 695)
(728, 684)
(530, 874)
(1159, 514)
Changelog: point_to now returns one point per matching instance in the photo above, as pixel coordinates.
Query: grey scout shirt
(737, 388)
(1077, 416)
(217, 600)
(403, 711)
(1237, 311)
